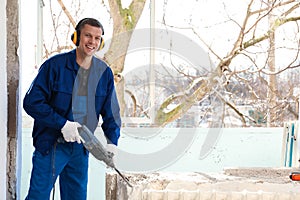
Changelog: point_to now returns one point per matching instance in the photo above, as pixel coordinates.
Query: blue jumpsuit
(51, 100)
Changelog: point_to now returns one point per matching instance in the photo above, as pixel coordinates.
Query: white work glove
(111, 150)
(70, 132)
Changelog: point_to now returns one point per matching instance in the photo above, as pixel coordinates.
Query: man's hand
(111, 150)
(70, 132)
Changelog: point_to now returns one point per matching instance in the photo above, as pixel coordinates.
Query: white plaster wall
(3, 100)
(27, 42)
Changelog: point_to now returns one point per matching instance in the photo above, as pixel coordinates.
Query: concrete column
(3, 101)
(12, 86)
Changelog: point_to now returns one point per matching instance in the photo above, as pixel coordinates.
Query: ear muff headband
(75, 37)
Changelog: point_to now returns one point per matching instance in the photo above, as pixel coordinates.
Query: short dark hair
(89, 21)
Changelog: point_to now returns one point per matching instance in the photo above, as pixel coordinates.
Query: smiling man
(71, 89)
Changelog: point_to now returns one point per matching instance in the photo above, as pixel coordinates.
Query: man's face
(90, 37)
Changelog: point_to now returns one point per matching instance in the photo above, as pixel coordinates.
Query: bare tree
(258, 80)
(255, 84)
(124, 21)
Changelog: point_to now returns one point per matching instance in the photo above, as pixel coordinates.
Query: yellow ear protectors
(75, 37)
(101, 44)
(75, 40)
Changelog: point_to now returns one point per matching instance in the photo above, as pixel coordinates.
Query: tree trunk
(272, 89)
(124, 22)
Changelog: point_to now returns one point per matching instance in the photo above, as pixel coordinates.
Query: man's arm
(111, 114)
(36, 100)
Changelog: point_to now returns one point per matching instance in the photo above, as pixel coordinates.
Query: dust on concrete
(271, 180)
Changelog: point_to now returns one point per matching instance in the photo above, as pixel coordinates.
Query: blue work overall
(68, 160)
(49, 102)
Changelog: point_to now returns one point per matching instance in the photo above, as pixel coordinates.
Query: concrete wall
(3, 101)
(12, 86)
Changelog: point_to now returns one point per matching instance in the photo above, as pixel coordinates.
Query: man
(71, 89)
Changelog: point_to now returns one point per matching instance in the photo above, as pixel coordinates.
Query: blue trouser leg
(41, 181)
(70, 162)
(74, 177)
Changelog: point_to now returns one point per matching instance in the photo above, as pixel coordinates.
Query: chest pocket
(61, 99)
